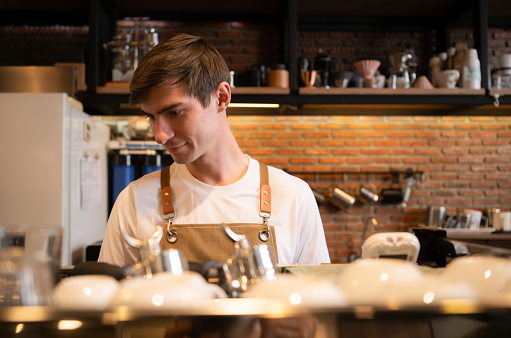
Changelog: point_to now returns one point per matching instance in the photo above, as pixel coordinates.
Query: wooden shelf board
(501, 92)
(389, 91)
(114, 89)
(261, 90)
(124, 89)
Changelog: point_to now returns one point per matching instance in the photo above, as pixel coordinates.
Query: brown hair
(184, 59)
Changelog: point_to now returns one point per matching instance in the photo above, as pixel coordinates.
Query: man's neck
(224, 168)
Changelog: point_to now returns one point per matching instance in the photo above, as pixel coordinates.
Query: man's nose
(162, 132)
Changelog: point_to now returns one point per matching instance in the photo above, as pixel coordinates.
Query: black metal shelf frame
(103, 17)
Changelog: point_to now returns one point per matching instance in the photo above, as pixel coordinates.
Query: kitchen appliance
(398, 245)
(54, 169)
(130, 160)
(123, 173)
(435, 249)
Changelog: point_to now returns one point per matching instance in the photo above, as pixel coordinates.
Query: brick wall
(466, 163)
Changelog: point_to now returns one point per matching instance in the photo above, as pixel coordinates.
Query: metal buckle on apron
(264, 235)
(172, 235)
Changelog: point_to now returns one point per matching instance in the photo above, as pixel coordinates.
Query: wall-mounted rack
(394, 173)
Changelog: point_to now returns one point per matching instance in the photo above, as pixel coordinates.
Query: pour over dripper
(367, 70)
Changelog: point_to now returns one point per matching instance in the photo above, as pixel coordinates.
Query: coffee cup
(464, 220)
(379, 81)
(475, 219)
(25, 279)
(490, 213)
(502, 221)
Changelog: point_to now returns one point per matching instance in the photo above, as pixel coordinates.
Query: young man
(183, 88)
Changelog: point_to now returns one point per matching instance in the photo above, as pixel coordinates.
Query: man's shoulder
(282, 178)
(147, 181)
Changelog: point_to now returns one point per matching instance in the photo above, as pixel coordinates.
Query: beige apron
(204, 242)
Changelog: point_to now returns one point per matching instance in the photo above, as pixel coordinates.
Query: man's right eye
(174, 112)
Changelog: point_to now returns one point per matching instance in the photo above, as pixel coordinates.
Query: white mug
(475, 219)
(502, 221)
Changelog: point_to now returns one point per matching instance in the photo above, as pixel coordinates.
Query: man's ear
(224, 95)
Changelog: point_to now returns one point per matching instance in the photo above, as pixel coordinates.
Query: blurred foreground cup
(29, 259)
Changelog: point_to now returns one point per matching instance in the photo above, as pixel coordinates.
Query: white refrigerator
(53, 169)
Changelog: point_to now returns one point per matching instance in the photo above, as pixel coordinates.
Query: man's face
(180, 123)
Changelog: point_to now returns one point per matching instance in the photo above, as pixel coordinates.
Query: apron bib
(205, 242)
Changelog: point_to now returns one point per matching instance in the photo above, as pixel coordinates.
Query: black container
(324, 65)
(435, 248)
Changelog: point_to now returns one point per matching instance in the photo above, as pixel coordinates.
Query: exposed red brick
(413, 143)
(331, 126)
(331, 143)
(302, 143)
(481, 135)
(289, 152)
(303, 126)
(316, 135)
(245, 127)
(248, 144)
(317, 151)
(301, 160)
(345, 152)
(260, 135)
(288, 135)
(277, 144)
(275, 126)
(334, 160)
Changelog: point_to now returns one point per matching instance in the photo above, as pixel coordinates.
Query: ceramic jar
(278, 76)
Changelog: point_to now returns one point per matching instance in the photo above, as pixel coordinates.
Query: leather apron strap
(264, 194)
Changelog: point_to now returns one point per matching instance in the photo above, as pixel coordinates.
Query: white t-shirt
(295, 215)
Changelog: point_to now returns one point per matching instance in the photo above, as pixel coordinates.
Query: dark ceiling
(430, 8)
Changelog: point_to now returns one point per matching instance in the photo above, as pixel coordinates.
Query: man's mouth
(174, 148)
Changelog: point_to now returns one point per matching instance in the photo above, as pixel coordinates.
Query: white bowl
(430, 290)
(303, 291)
(166, 291)
(84, 292)
(487, 275)
(370, 281)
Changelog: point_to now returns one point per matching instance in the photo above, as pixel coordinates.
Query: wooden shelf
(501, 92)
(123, 88)
(260, 90)
(389, 91)
(114, 88)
